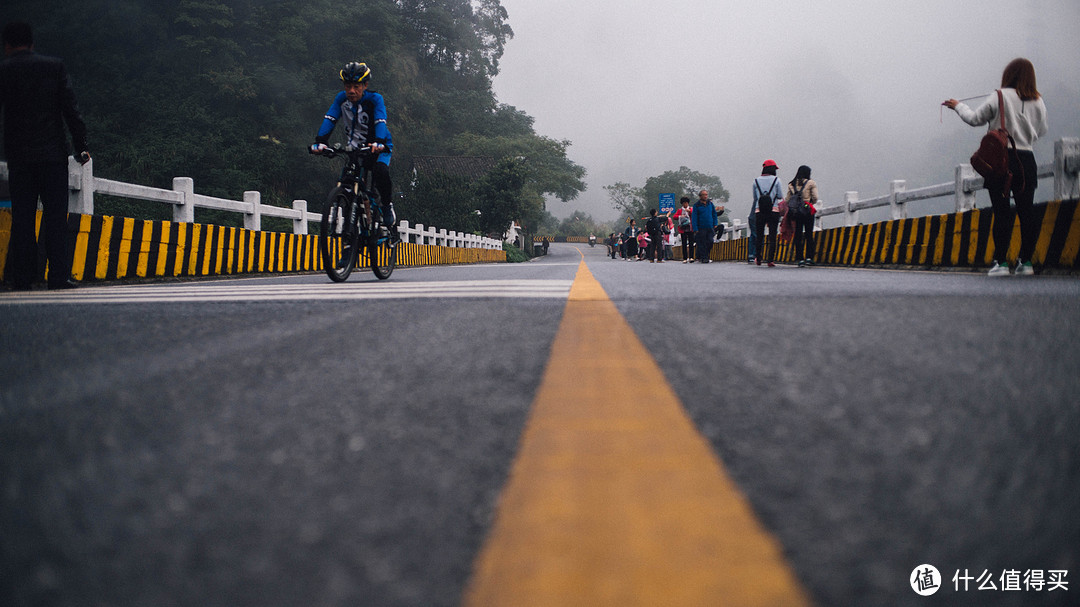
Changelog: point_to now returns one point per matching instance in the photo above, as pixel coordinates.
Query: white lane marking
(204, 292)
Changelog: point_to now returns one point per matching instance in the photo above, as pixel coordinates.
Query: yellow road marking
(614, 497)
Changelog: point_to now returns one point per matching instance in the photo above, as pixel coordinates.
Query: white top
(1025, 120)
(768, 184)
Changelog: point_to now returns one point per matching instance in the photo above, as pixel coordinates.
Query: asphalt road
(297, 451)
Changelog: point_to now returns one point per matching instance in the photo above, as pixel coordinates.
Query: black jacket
(36, 99)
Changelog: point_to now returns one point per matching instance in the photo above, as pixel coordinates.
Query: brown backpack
(991, 160)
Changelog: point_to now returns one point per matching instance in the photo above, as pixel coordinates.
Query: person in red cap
(767, 197)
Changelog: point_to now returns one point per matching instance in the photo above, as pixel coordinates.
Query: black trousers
(771, 219)
(28, 181)
(1025, 179)
(655, 249)
(704, 243)
(380, 179)
(804, 237)
(687, 245)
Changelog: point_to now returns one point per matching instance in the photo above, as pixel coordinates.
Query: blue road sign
(667, 203)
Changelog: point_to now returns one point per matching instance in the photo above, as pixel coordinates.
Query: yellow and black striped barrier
(962, 240)
(113, 248)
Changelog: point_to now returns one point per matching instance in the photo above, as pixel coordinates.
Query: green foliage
(580, 223)
(514, 254)
(230, 93)
(683, 182)
(487, 205)
(636, 202)
(627, 199)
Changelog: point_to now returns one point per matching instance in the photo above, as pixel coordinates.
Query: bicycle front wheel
(382, 251)
(339, 240)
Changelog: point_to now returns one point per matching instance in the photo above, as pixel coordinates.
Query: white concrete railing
(1065, 169)
(83, 185)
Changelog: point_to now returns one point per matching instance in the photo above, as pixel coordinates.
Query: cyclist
(364, 115)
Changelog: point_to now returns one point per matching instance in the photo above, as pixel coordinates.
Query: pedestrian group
(698, 226)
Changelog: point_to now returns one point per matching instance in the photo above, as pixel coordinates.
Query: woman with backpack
(686, 230)
(801, 198)
(1025, 120)
(767, 196)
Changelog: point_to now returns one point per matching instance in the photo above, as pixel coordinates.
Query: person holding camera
(1025, 120)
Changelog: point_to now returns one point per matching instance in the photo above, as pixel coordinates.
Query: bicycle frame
(357, 180)
(350, 213)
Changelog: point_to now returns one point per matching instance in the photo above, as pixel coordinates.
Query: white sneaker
(1024, 268)
(998, 270)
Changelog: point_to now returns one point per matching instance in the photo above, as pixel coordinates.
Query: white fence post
(897, 208)
(253, 219)
(965, 201)
(420, 234)
(81, 198)
(184, 211)
(300, 225)
(1066, 168)
(851, 216)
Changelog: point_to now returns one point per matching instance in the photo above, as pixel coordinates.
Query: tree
(580, 223)
(626, 199)
(636, 202)
(499, 197)
(230, 92)
(547, 169)
(684, 182)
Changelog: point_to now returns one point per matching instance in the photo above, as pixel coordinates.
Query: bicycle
(353, 217)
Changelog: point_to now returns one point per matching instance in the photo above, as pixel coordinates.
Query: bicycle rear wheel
(340, 240)
(382, 251)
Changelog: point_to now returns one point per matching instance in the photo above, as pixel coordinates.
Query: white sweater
(1025, 120)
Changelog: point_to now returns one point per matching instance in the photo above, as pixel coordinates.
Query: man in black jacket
(37, 101)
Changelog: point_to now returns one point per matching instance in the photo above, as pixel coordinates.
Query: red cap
(768, 163)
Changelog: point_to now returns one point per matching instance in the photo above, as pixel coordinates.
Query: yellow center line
(614, 497)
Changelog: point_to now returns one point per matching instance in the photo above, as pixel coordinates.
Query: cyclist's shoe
(389, 217)
(346, 253)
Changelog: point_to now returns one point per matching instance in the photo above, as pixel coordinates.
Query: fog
(852, 89)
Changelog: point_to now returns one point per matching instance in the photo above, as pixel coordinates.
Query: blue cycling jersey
(365, 122)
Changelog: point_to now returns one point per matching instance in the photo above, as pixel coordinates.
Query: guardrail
(83, 185)
(1065, 170)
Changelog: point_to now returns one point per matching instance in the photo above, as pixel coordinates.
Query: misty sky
(850, 88)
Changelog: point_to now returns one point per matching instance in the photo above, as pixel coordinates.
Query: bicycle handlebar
(337, 149)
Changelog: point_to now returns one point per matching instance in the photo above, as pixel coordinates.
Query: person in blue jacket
(704, 220)
(363, 113)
